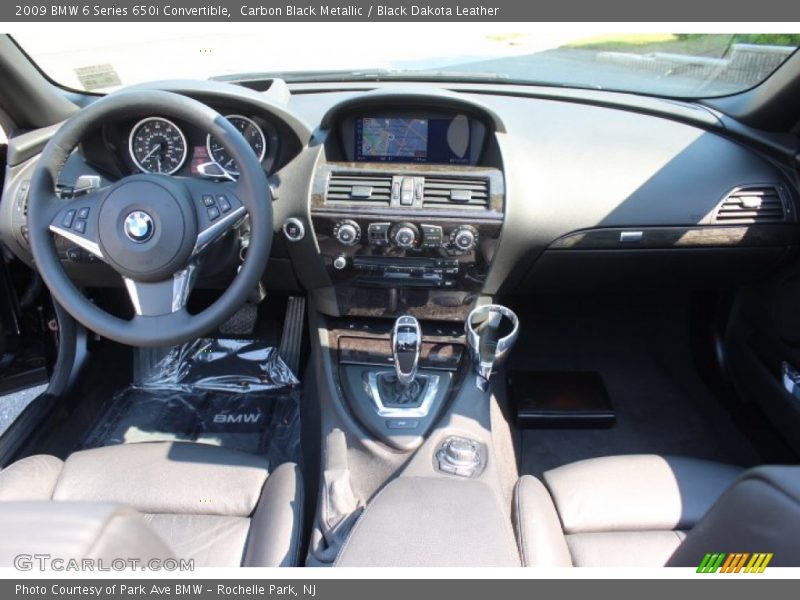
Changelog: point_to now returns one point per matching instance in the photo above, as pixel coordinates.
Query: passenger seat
(218, 507)
(652, 511)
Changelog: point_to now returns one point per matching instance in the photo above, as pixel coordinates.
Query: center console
(420, 240)
(396, 381)
(420, 389)
(407, 210)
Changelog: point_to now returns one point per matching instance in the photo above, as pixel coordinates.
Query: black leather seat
(216, 506)
(648, 510)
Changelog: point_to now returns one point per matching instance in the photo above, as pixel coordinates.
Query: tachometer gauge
(157, 145)
(251, 132)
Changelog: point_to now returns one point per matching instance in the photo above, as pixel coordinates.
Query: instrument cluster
(156, 144)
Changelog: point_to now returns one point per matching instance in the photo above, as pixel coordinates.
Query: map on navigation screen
(411, 139)
(396, 138)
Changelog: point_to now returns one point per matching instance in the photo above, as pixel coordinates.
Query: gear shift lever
(406, 345)
(404, 393)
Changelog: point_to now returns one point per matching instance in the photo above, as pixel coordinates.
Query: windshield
(665, 64)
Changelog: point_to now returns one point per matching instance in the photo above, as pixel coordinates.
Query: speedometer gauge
(250, 131)
(157, 145)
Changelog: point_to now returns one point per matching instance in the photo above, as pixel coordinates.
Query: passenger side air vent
(752, 205)
(455, 192)
(366, 190)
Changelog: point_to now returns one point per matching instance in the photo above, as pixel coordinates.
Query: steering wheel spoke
(76, 221)
(218, 209)
(152, 299)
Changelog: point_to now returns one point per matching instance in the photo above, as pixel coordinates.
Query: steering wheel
(150, 228)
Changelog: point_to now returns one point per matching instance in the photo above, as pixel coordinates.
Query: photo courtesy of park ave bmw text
(335, 299)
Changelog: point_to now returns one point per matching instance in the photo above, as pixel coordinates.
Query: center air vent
(366, 190)
(752, 205)
(455, 192)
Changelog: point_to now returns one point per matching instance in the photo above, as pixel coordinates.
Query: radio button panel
(405, 251)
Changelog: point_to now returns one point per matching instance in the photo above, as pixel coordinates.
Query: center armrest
(432, 522)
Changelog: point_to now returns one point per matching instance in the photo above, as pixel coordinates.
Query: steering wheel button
(80, 226)
(74, 254)
(69, 217)
(224, 205)
(213, 212)
(208, 200)
(83, 213)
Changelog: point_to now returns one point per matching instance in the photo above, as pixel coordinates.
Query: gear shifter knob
(406, 345)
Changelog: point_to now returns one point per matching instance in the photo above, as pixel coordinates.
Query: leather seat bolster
(276, 526)
(636, 492)
(538, 527)
(31, 478)
(75, 530)
(158, 477)
(759, 513)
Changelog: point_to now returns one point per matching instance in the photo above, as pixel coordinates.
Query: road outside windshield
(678, 65)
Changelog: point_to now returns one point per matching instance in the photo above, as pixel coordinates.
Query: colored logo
(138, 226)
(736, 562)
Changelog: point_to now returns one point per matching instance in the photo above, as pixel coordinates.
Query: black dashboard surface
(572, 166)
(568, 166)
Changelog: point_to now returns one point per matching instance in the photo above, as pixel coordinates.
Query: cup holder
(492, 330)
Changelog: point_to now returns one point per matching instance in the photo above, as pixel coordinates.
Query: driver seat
(156, 499)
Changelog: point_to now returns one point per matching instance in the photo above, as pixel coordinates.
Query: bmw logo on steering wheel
(138, 226)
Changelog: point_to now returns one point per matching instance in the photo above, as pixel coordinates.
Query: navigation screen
(394, 139)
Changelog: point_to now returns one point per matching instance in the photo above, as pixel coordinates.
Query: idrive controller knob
(459, 456)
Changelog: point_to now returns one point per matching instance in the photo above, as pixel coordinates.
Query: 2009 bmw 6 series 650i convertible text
(508, 306)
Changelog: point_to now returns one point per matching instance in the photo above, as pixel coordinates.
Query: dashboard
(409, 198)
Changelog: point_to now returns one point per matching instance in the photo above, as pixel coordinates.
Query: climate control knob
(347, 232)
(464, 238)
(405, 235)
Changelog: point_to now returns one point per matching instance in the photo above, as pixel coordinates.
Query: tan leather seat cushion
(180, 478)
(636, 492)
(208, 503)
(76, 530)
(616, 511)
